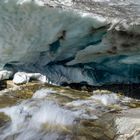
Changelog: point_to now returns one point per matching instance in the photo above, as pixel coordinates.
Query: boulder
(128, 125)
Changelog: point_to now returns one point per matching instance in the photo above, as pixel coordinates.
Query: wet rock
(3, 119)
(128, 125)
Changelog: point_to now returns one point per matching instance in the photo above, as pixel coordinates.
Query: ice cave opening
(69, 45)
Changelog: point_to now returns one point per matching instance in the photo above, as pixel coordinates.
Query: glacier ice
(5, 74)
(69, 43)
(22, 77)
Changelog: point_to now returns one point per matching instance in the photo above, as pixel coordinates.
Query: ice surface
(22, 77)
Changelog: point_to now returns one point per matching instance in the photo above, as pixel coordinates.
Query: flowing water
(56, 113)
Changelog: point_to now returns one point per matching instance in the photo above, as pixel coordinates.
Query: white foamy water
(40, 118)
(106, 99)
(43, 93)
(30, 118)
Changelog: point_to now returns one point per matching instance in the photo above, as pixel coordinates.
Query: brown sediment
(111, 52)
(130, 90)
(114, 48)
(63, 35)
(98, 53)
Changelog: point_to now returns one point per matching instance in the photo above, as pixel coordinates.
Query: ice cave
(69, 69)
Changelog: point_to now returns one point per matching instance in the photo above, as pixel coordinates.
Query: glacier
(94, 42)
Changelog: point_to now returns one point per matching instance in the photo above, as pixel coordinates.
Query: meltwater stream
(60, 114)
(37, 118)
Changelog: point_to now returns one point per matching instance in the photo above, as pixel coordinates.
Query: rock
(122, 126)
(22, 77)
(128, 125)
(4, 74)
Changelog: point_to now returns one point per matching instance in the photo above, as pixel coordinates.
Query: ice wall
(68, 45)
